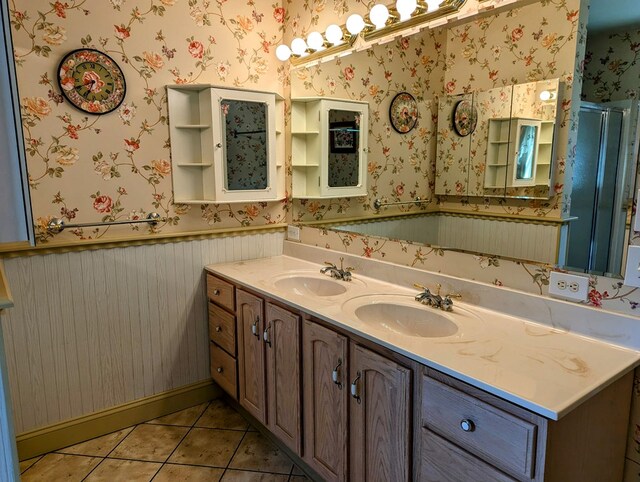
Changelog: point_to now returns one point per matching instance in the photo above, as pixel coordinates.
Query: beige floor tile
(25, 464)
(153, 443)
(98, 447)
(257, 453)
(60, 467)
(298, 478)
(111, 470)
(244, 476)
(186, 417)
(203, 446)
(219, 414)
(187, 473)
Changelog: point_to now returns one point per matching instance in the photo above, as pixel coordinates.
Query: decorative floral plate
(465, 118)
(403, 112)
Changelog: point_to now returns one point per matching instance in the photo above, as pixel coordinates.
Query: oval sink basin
(311, 285)
(402, 315)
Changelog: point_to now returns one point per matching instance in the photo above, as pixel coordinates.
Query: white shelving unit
(503, 139)
(310, 147)
(198, 144)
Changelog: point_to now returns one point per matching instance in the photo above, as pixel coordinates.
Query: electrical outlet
(632, 271)
(568, 286)
(293, 233)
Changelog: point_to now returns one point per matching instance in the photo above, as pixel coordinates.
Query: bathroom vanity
(362, 382)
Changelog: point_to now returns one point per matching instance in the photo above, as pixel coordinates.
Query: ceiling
(613, 14)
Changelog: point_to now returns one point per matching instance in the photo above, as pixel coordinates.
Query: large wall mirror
(504, 187)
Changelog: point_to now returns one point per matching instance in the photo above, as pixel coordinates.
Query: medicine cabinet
(226, 144)
(329, 147)
(502, 144)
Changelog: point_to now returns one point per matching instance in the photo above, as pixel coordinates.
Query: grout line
(203, 412)
(92, 470)
(125, 438)
(30, 467)
(172, 452)
(234, 454)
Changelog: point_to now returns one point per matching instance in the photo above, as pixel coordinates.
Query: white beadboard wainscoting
(95, 329)
(522, 240)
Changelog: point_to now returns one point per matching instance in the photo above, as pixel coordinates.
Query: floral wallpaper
(612, 66)
(87, 168)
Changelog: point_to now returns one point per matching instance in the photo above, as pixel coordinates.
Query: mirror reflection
(520, 183)
(246, 150)
(344, 147)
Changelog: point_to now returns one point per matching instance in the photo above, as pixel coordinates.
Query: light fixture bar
(346, 44)
(447, 7)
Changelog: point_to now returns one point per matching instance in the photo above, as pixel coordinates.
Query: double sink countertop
(542, 368)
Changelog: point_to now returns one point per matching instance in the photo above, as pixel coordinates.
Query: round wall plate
(403, 112)
(465, 118)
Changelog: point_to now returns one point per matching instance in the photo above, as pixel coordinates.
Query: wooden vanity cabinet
(251, 367)
(326, 400)
(269, 366)
(356, 428)
(464, 433)
(380, 417)
(222, 334)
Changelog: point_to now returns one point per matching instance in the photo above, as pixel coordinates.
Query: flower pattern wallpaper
(612, 66)
(88, 168)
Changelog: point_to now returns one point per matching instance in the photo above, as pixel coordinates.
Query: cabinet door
(282, 339)
(326, 390)
(251, 378)
(380, 410)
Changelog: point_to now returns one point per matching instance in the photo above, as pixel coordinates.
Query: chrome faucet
(426, 297)
(340, 273)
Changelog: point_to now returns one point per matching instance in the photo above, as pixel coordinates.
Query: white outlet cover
(632, 271)
(293, 233)
(558, 279)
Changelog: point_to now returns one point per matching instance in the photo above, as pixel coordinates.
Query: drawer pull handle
(254, 328)
(354, 388)
(218, 329)
(334, 374)
(216, 292)
(467, 425)
(219, 370)
(265, 335)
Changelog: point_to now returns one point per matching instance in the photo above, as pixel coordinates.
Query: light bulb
(283, 52)
(355, 24)
(333, 34)
(315, 41)
(433, 5)
(405, 8)
(545, 95)
(298, 46)
(379, 15)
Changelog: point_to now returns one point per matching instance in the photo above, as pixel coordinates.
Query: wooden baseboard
(70, 432)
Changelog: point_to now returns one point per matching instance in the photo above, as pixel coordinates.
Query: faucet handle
(330, 264)
(457, 296)
(419, 286)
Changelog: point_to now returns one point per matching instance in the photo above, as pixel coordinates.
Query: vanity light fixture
(298, 46)
(547, 95)
(315, 41)
(404, 17)
(283, 52)
(379, 15)
(405, 8)
(355, 24)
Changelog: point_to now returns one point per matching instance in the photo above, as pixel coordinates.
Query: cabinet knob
(219, 369)
(219, 145)
(467, 425)
(216, 292)
(218, 329)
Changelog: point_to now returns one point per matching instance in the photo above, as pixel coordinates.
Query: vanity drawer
(441, 461)
(222, 328)
(504, 440)
(221, 292)
(224, 370)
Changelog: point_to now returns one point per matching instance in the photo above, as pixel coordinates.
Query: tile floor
(208, 442)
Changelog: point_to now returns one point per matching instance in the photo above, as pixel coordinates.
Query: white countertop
(536, 366)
